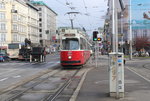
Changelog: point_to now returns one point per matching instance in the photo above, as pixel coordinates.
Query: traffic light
(99, 39)
(95, 35)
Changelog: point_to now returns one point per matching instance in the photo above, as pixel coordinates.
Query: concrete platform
(96, 86)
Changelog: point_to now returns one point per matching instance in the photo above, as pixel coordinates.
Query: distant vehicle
(4, 57)
(3, 50)
(38, 54)
(75, 48)
(24, 53)
(13, 50)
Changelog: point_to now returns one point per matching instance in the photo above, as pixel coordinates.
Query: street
(15, 71)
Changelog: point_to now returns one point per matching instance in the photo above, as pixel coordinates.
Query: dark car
(4, 57)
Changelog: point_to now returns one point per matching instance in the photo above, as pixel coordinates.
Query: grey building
(47, 23)
(123, 25)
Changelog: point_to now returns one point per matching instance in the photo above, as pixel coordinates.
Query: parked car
(136, 54)
(4, 57)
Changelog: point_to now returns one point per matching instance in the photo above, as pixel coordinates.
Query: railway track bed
(56, 85)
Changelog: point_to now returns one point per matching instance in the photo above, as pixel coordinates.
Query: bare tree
(141, 43)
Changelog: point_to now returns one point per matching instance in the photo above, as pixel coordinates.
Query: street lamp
(130, 37)
(122, 30)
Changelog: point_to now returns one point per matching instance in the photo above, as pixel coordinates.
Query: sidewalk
(96, 86)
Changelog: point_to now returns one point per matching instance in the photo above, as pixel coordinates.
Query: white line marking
(138, 74)
(8, 72)
(3, 79)
(17, 76)
(76, 92)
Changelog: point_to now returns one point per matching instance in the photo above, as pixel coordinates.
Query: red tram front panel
(74, 57)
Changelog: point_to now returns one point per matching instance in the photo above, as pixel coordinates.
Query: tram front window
(70, 44)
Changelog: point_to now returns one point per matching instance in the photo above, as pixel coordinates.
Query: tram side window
(70, 44)
(82, 44)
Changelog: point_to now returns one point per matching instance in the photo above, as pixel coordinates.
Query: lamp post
(130, 36)
(122, 31)
(113, 25)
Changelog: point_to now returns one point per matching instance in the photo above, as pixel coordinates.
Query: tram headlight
(69, 57)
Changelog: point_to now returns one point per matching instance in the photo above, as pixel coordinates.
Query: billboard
(140, 11)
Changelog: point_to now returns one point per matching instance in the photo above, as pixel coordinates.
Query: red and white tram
(75, 48)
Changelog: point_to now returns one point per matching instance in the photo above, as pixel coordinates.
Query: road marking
(3, 79)
(138, 74)
(76, 92)
(17, 76)
(8, 72)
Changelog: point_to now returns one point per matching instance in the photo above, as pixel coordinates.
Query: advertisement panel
(140, 14)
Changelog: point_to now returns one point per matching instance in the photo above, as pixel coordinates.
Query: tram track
(18, 86)
(19, 93)
(54, 96)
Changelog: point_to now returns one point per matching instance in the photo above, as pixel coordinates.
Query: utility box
(116, 74)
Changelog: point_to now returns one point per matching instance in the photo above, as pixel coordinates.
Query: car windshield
(70, 44)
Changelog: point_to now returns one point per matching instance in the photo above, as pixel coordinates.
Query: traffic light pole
(130, 42)
(96, 54)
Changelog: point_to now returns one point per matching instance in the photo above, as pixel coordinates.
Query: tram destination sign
(69, 35)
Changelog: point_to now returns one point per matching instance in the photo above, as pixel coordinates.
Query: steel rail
(12, 98)
(59, 91)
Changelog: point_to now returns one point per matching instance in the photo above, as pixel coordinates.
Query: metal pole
(113, 24)
(96, 53)
(130, 31)
(115, 48)
(71, 23)
(116, 27)
(116, 37)
(122, 32)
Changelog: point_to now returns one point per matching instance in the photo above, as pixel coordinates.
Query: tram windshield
(70, 44)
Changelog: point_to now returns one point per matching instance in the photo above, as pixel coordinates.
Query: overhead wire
(60, 2)
(87, 13)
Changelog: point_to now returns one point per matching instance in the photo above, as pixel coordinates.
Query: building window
(40, 25)
(14, 17)
(2, 37)
(40, 19)
(2, 15)
(40, 9)
(14, 27)
(40, 14)
(2, 6)
(15, 37)
(144, 33)
(2, 26)
(13, 6)
(40, 30)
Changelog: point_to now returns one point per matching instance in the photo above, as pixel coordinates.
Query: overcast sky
(91, 12)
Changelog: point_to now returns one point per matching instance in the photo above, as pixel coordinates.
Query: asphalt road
(15, 71)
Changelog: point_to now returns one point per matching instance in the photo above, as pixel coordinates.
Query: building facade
(140, 24)
(47, 23)
(33, 23)
(18, 20)
(123, 24)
